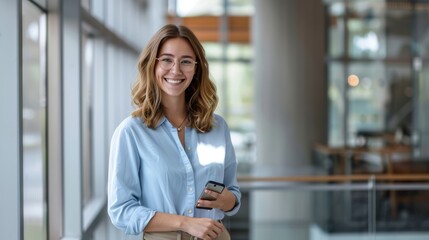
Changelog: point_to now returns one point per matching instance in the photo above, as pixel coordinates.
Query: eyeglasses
(185, 64)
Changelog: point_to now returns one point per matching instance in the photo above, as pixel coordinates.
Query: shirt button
(190, 211)
(190, 189)
(189, 148)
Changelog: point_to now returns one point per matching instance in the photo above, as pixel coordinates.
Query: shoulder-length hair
(200, 97)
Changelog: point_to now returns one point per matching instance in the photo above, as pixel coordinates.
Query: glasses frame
(174, 63)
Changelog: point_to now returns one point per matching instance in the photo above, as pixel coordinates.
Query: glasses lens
(186, 64)
(166, 63)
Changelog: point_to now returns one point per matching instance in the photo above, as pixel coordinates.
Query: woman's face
(175, 67)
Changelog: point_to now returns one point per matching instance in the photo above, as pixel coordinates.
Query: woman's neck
(174, 108)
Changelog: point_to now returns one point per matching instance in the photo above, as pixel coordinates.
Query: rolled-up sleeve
(124, 188)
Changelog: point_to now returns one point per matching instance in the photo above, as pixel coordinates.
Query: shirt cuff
(234, 209)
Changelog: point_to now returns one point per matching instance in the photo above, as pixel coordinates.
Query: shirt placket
(190, 179)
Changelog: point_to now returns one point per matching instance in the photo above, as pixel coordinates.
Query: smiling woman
(163, 155)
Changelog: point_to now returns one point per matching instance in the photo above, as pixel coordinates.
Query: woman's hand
(203, 228)
(224, 201)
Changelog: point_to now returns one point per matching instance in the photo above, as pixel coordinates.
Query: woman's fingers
(206, 228)
(224, 201)
(214, 233)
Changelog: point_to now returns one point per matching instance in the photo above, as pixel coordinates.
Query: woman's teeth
(173, 81)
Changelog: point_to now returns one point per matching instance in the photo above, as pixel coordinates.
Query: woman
(162, 156)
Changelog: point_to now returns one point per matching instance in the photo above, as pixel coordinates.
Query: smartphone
(213, 186)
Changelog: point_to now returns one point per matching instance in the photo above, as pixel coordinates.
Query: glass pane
(367, 8)
(398, 32)
(34, 122)
(366, 38)
(336, 100)
(380, 100)
(404, 211)
(239, 51)
(400, 96)
(240, 113)
(309, 215)
(234, 82)
(240, 7)
(420, 31)
(421, 134)
(240, 95)
(100, 232)
(336, 29)
(366, 29)
(187, 8)
(367, 99)
(213, 50)
(216, 75)
(97, 9)
(87, 79)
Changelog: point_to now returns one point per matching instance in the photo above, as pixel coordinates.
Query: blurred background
(327, 101)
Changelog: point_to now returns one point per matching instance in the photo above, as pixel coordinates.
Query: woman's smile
(174, 81)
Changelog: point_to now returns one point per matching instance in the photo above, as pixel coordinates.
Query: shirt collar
(164, 121)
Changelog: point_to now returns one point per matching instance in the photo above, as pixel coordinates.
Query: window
(369, 40)
(34, 122)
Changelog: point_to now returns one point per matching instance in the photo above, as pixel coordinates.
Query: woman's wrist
(181, 223)
(231, 203)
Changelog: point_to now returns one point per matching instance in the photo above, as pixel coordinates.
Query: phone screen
(213, 186)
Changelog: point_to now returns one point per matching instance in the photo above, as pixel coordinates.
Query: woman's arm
(124, 191)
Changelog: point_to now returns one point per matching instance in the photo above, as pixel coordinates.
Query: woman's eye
(186, 61)
(167, 60)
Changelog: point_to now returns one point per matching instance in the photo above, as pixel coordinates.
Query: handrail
(324, 149)
(338, 178)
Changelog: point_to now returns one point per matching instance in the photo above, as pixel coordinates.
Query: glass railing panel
(402, 209)
(332, 207)
(301, 211)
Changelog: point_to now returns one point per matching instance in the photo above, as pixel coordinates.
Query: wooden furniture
(404, 166)
(409, 166)
(346, 155)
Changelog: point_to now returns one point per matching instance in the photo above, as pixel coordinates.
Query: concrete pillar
(290, 108)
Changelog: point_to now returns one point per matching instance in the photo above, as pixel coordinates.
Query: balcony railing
(365, 206)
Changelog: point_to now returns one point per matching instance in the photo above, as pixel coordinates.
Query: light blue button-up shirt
(150, 171)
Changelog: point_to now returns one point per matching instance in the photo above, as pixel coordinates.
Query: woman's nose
(176, 67)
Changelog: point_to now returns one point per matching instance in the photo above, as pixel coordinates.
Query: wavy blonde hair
(200, 96)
